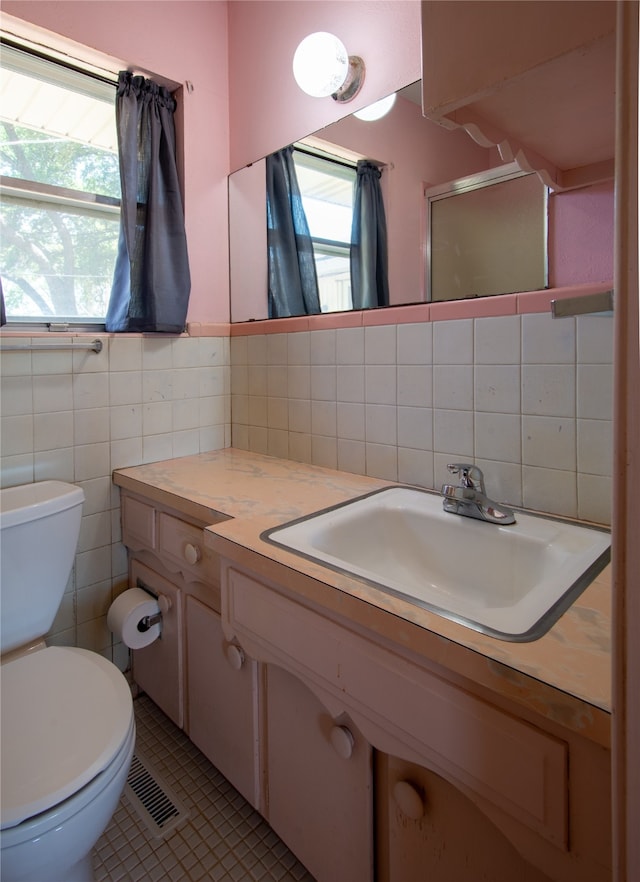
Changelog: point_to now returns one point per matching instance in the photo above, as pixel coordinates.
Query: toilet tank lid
(66, 712)
(26, 502)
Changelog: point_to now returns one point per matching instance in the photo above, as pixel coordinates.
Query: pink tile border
(480, 307)
(505, 304)
(335, 320)
(270, 326)
(397, 315)
(208, 329)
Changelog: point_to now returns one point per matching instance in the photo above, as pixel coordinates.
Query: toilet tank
(39, 528)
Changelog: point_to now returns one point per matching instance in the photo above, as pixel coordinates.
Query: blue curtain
(369, 258)
(293, 283)
(151, 282)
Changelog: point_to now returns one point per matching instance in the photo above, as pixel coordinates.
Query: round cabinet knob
(343, 741)
(409, 800)
(192, 553)
(235, 656)
(164, 603)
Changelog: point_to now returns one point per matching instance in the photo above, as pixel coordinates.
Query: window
(327, 186)
(60, 188)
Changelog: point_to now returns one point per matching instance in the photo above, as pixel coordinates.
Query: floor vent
(154, 802)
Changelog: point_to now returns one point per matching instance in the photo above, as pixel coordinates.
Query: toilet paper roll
(125, 614)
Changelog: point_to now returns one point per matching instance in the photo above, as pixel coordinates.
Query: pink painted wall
(179, 40)
(581, 236)
(267, 109)
(245, 104)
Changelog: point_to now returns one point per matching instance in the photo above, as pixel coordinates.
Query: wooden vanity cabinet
(369, 761)
(531, 798)
(308, 772)
(203, 682)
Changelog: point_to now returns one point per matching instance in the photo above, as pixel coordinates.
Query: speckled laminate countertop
(565, 675)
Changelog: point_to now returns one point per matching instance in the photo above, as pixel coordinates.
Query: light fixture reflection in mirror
(322, 67)
(376, 110)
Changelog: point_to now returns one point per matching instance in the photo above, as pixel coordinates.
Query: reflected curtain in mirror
(151, 282)
(369, 253)
(293, 282)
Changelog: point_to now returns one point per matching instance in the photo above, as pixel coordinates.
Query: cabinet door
(428, 830)
(158, 668)
(222, 700)
(319, 783)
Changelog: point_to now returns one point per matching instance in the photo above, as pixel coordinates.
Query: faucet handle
(470, 475)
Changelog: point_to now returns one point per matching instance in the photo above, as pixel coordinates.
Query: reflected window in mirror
(326, 233)
(486, 235)
(327, 190)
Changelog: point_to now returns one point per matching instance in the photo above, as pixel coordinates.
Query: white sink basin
(511, 582)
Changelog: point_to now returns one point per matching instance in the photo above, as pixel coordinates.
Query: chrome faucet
(469, 498)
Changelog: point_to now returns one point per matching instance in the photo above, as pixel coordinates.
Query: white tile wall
(526, 397)
(75, 416)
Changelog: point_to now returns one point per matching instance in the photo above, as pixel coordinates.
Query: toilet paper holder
(164, 603)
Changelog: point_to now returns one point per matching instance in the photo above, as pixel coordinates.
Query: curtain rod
(328, 157)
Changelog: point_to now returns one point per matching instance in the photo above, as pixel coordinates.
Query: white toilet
(68, 728)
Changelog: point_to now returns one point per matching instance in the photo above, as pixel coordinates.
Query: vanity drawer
(517, 767)
(183, 544)
(177, 544)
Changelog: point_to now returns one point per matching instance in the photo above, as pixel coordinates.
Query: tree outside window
(60, 190)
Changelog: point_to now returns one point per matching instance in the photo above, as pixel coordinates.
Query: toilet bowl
(68, 728)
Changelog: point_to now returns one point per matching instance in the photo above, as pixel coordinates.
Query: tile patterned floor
(223, 840)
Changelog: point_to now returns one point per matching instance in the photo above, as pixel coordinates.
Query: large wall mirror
(414, 155)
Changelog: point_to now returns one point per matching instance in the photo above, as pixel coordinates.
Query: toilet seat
(66, 713)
